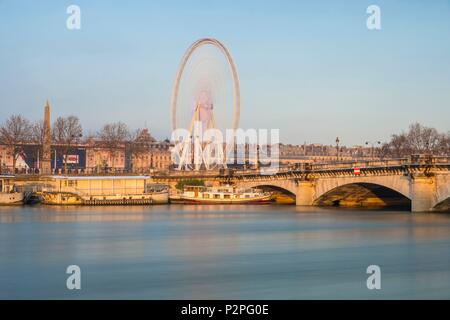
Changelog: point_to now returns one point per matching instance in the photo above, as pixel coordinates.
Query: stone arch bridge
(423, 183)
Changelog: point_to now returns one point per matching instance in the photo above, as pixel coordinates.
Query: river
(222, 252)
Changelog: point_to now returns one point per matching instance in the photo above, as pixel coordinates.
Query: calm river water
(222, 252)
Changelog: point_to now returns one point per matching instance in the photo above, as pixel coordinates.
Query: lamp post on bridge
(337, 148)
(372, 146)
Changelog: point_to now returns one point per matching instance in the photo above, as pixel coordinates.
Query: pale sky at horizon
(309, 68)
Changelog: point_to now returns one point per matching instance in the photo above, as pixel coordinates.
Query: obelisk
(46, 164)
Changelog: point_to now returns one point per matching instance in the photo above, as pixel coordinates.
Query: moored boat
(221, 195)
(9, 195)
(103, 190)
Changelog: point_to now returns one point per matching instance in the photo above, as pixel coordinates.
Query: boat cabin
(7, 184)
(103, 185)
(222, 192)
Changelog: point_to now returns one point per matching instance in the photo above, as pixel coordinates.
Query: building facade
(91, 157)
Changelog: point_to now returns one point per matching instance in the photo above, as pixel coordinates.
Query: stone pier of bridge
(305, 193)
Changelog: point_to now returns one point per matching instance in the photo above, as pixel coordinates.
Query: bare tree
(112, 136)
(14, 133)
(422, 139)
(397, 147)
(37, 132)
(67, 132)
(37, 137)
(418, 139)
(444, 144)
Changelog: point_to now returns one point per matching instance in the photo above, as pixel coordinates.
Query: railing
(306, 167)
(297, 167)
(79, 171)
(359, 164)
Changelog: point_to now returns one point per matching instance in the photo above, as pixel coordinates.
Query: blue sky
(310, 68)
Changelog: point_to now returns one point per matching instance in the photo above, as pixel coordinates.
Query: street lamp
(372, 146)
(337, 148)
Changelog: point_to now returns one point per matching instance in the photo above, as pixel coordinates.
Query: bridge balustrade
(283, 168)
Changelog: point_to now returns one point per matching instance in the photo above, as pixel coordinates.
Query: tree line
(66, 132)
(418, 139)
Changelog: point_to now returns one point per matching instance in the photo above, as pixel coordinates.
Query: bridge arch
(363, 195)
(364, 191)
(398, 183)
(287, 185)
(444, 205)
(442, 198)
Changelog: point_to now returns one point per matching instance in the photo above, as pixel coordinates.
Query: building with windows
(91, 157)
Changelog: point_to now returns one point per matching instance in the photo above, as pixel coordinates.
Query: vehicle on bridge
(221, 195)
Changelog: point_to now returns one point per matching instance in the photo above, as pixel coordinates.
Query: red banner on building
(72, 159)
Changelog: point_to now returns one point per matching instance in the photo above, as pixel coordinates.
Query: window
(72, 183)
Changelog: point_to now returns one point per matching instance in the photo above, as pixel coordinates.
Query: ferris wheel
(200, 78)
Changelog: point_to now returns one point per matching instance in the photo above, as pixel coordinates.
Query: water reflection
(226, 252)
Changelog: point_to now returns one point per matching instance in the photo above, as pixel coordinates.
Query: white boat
(221, 195)
(9, 195)
(103, 190)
